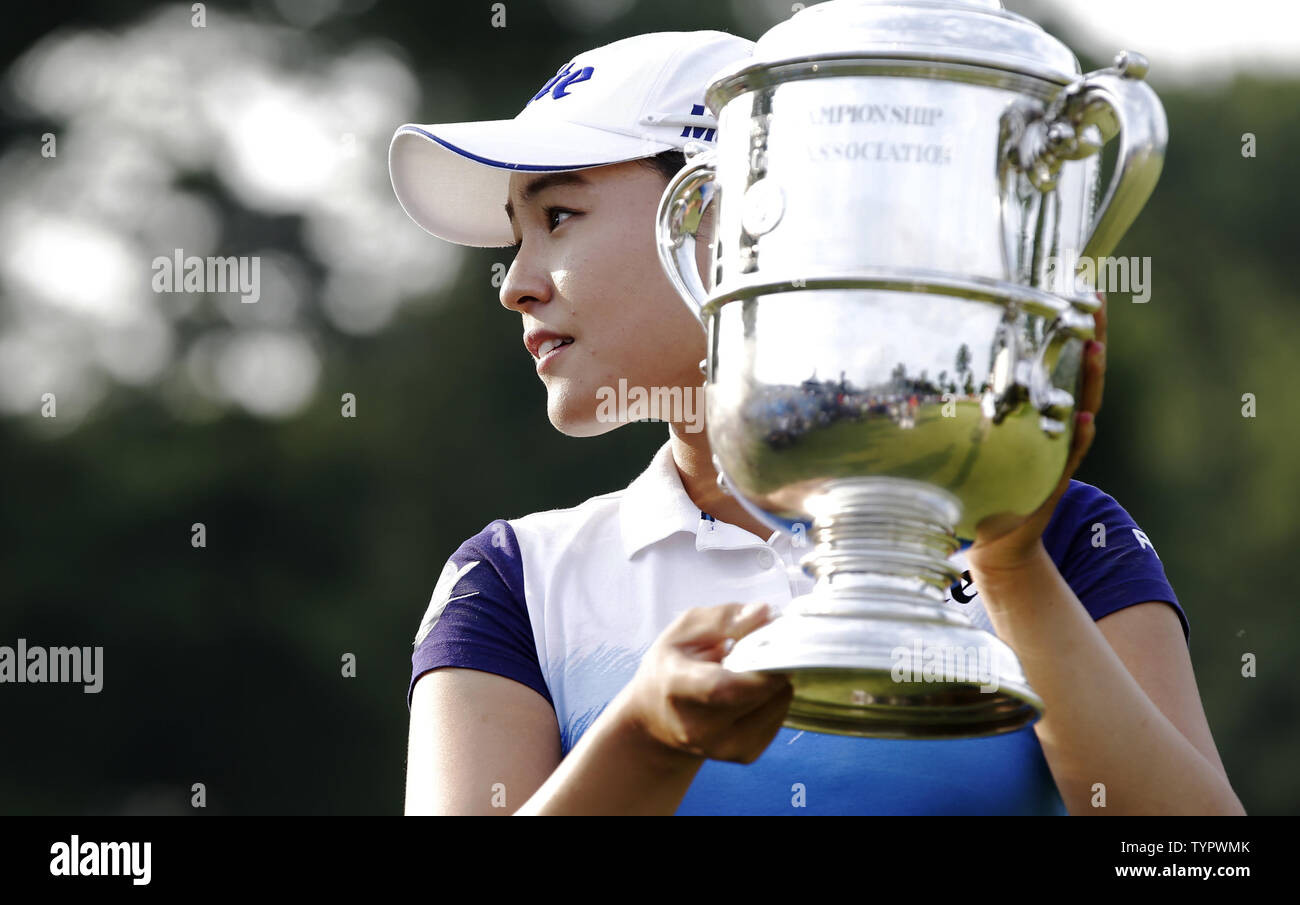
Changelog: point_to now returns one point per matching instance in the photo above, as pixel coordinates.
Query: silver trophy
(907, 195)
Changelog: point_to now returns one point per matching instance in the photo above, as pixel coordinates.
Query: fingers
(754, 732)
(717, 653)
(712, 685)
(702, 628)
(1094, 364)
(776, 701)
(754, 616)
(699, 639)
(1101, 319)
(1085, 431)
(1094, 377)
(730, 715)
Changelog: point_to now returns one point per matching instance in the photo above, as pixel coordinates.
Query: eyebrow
(541, 184)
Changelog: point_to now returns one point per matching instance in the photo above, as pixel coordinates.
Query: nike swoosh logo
(447, 582)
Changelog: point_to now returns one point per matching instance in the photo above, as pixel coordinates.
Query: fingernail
(1095, 348)
(1085, 418)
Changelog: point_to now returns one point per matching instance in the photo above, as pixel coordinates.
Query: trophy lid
(972, 32)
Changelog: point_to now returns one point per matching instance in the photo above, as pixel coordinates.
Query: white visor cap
(633, 98)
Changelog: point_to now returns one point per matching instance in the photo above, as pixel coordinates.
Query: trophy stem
(890, 536)
(872, 650)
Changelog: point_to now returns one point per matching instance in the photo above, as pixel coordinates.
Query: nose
(524, 282)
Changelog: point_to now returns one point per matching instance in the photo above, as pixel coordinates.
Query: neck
(694, 459)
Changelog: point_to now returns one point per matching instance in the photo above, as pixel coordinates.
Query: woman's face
(588, 269)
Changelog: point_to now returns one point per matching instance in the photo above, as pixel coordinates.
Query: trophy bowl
(906, 192)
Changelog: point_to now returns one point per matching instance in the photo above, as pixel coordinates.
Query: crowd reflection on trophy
(788, 412)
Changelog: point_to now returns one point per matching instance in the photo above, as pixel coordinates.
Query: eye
(551, 212)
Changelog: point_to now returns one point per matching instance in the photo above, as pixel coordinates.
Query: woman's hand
(684, 700)
(1005, 543)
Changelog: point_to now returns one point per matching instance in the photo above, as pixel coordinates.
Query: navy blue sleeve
(477, 617)
(1105, 558)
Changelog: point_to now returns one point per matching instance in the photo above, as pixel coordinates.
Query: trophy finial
(1131, 65)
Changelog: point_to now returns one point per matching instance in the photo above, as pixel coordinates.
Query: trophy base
(885, 678)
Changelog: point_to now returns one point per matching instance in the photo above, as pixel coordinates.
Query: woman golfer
(569, 660)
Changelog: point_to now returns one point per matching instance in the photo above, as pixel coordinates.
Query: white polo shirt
(567, 601)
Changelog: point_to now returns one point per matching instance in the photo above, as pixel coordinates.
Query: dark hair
(665, 163)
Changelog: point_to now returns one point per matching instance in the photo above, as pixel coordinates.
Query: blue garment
(483, 617)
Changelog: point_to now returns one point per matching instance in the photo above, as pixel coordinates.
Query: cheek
(636, 325)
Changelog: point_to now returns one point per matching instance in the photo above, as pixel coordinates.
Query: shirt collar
(656, 506)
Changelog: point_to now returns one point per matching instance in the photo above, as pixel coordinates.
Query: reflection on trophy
(893, 353)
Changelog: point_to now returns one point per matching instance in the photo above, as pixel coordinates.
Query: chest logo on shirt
(447, 582)
(959, 589)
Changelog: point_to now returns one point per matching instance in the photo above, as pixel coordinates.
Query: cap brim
(453, 178)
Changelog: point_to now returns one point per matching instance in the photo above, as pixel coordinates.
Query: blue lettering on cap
(562, 80)
(697, 131)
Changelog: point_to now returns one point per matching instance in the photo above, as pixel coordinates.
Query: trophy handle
(680, 210)
(1019, 376)
(1082, 118)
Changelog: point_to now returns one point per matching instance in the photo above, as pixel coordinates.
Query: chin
(578, 424)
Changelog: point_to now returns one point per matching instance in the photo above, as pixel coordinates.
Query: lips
(551, 350)
(551, 344)
(536, 338)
